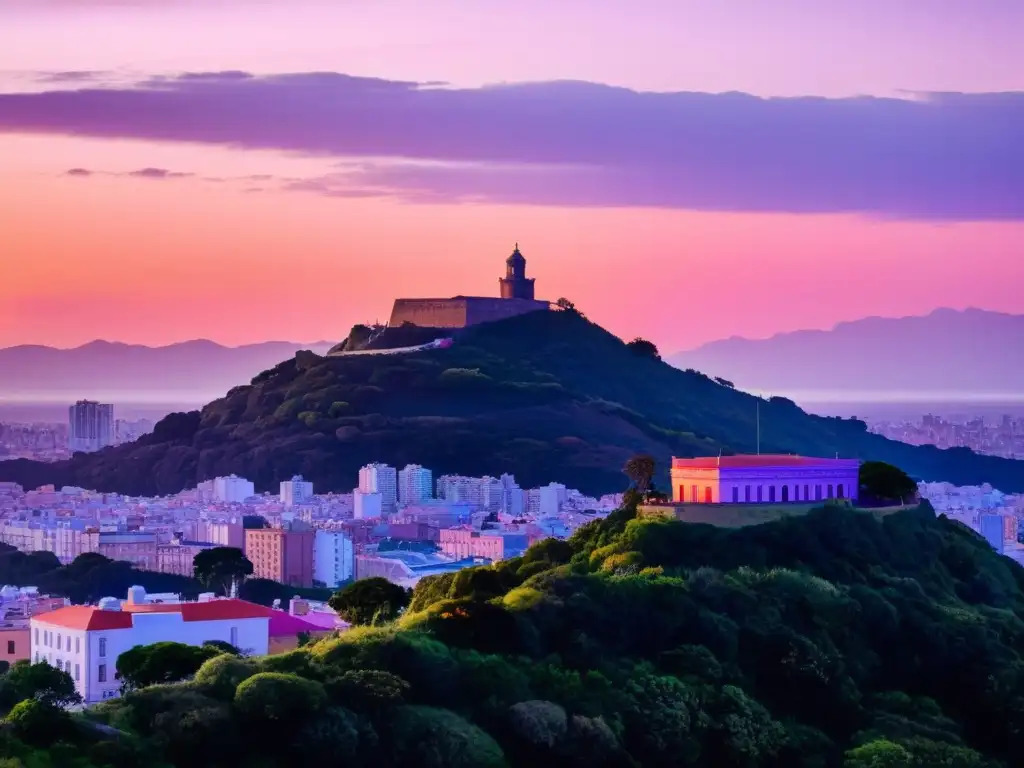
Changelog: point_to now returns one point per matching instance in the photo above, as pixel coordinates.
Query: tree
(254, 522)
(884, 482)
(640, 470)
(220, 567)
(164, 662)
(565, 305)
(275, 698)
(39, 723)
(369, 601)
(643, 348)
(439, 738)
(40, 681)
(222, 675)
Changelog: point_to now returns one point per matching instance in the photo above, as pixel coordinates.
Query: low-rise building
(85, 641)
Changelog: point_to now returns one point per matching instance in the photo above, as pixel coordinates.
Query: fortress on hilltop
(516, 298)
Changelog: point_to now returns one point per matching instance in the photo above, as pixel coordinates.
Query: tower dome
(516, 258)
(515, 284)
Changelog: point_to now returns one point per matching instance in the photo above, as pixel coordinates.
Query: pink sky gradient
(155, 261)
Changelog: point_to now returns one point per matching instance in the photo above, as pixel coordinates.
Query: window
(708, 494)
(37, 635)
(817, 493)
(78, 672)
(103, 647)
(839, 491)
(760, 493)
(807, 492)
(830, 491)
(735, 494)
(78, 645)
(69, 643)
(67, 667)
(234, 636)
(10, 647)
(693, 493)
(58, 641)
(746, 493)
(771, 493)
(101, 673)
(785, 493)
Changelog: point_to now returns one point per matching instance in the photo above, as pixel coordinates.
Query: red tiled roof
(750, 461)
(212, 610)
(86, 617)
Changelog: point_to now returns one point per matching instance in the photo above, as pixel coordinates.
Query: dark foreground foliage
(837, 639)
(546, 396)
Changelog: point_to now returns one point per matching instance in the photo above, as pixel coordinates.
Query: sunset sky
(685, 170)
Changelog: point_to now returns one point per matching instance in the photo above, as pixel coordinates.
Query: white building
(366, 506)
(90, 426)
(551, 497)
(382, 479)
(415, 484)
(296, 491)
(333, 558)
(232, 489)
(85, 641)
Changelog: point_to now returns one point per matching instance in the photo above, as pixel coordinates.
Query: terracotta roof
(86, 617)
(752, 461)
(213, 610)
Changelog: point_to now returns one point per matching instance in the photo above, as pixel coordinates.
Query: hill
(832, 640)
(189, 369)
(945, 352)
(548, 396)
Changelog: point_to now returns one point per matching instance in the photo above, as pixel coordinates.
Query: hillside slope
(974, 359)
(548, 396)
(830, 640)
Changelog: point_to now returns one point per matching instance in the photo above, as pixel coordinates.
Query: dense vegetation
(91, 576)
(836, 639)
(546, 396)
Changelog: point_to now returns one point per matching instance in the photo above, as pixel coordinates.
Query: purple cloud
(939, 156)
(157, 173)
(78, 172)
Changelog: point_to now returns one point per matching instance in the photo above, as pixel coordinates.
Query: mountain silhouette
(970, 352)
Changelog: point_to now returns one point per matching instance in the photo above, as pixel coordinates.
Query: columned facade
(763, 479)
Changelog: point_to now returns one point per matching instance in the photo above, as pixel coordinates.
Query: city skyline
(830, 176)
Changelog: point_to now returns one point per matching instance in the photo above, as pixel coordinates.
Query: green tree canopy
(42, 682)
(164, 662)
(369, 601)
(884, 482)
(220, 567)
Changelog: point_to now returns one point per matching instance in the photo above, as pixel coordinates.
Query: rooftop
(91, 618)
(750, 461)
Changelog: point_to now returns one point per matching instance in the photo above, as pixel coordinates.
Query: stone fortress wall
(460, 312)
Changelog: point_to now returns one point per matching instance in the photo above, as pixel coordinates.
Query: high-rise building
(333, 558)
(90, 426)
(232, 489)
(415, 484)
(382, 479)
(552, 497)
(366, 506)
(296, 491)
(998, 530)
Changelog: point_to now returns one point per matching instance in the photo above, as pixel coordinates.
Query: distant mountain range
(191, 370)
(970, 352)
